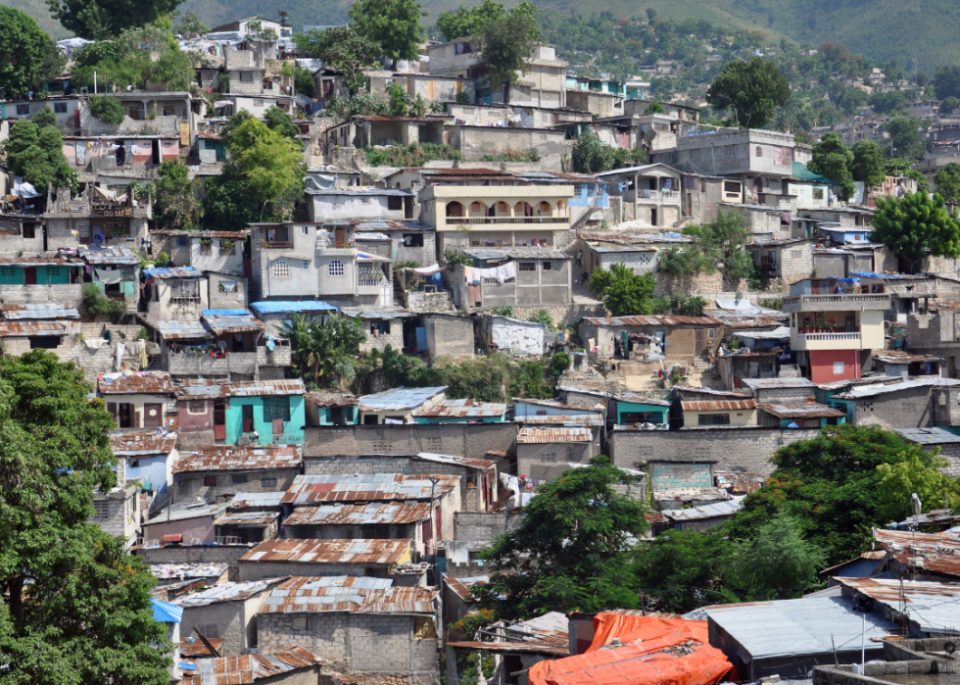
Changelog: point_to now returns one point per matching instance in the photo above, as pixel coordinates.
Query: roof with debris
(932, 552)
(653, 321)
(256, 499)
(288, 307)
(553, 643)
(240, 670)
(800, 410)
(247, 519)
(928, 436)
(930, 607)
(705, 511)
(223, 321)
(399, 399)
(330, 551)
(462, 409)
(461, 586)
(634, 398)
(230, 592)
(366, 487)
(115, 255)
(20, 329)
(543, 436)
(493, 254)
(136, 383)
(454, 460)
(776, 383)
(233, 458)
(183, 330)
(168, 571)
(142, 444)
(211, 388)
(568, 420)
(900, 357)
(332, 399)
(353, 595)
(393, 513)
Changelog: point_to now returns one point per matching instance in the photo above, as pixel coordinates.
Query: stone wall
(470, 441)
(470, 526)
(67, 294)
(564, 314)
(475, 142)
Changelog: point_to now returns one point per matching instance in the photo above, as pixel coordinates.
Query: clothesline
(501, 273)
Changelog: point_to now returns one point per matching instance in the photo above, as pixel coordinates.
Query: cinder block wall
(471, 441)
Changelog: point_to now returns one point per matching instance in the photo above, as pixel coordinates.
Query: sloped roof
(241, 670)
(313, 595)
(365, 487)
(330, 551)
(233, 458)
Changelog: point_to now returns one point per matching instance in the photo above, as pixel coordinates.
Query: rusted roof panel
(253, 519)
(568, 420)
(800, 410)
(929, 607)
(394, 513)
(183, 330)
(40, 260)
(463, 409)
(142, 444)
(251, 500)
(369, 552)
(139, 383)
(366, 487)
(233, 458)
(399, 399)
(899, 357)
(311, 595)
(240, 670)
(223, 321)
(720, 405)
(196, 649)
(553, 642)
(937, 552)
(19, 329)
(458, 461)
(542, 436)
(118, 255)
(461, 586)
(332, 399)
(654, 321)
(230, 592)
(209, 388)
(33, 312)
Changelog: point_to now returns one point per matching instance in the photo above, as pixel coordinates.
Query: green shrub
(454, 258)
(531, 155)
(410, 155)
(543, 316)
(505, 310)
(107, 109)
(93, 303)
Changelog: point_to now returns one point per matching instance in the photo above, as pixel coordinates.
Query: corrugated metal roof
(488, 253)
(229, 592)
(774, 383)
(556, 404)
(142, 444)
(654, 321)
(233, 458)
(187, 510)
(172, 272)
(720, 405)
(554, 643)
(704, 511)
(461, 586)
(196, 649)
(900, 357)
(256, 519)
(332, 399)
(928, 436)
(562, 420)
(32, 312)
(642, 399)
(399, 399)
(288, 307)
(223, 321)
(542, 436)
(624, 248)
(138, 383)
(240, 670)
(837, 385)
(19, 329)
(800, 410)
(332, 551)
(462, 409)
(365, 487)
(168, 571)
(874, 390)
(256, 499)
(937, 552)
(356, 191)
(40, 260)
(930, 607)
(395, 513)
(690, 389)
(455, 460)
(118, 255)
(183, 330)
(209, 388)
(314, 595)
(377, 314)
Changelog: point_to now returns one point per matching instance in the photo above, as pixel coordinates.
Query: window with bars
(210, 481)
(728, 151)
(101, 509)
(528, 266)
(268, 483)
(281, 269)
(304, 264)
(335, 268)
(238, 478)
(713, 420)
(60, 108)
(9, 271)
(209, 630)
(275, 408)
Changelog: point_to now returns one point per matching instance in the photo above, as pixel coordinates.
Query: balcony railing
(278, 244)
(826, 337)
(832, 299)
(481, 220)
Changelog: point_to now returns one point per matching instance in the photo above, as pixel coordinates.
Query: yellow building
(720, 413)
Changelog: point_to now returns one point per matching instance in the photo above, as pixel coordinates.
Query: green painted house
(40, 271)
(632, 408)
(799, 415)
(332, 409)
(462, 411)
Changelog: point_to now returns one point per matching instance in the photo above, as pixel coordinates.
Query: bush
(462, 97)
(454, 258)
(107, 109)
(504, 310)
(531, 155)
(543, 316)
(410, 155)
(93, 304)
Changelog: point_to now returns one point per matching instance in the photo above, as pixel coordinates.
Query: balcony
(805, 342)
(277, 244)
(488, 220)
(837, 303)
(650, 195)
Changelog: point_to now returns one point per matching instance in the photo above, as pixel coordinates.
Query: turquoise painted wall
(634, 408)
(46, 275)
(11, 275)
(350, 415)
(292, 429)
(499, 419)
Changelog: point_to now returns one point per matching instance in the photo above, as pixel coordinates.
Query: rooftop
(864, 391)
(289, 307)
(223, 321)
(776, 383)
(233, 458)
(930, 607)
(720, 405)
(183, 330)
(455, 460)
(704, 511)
(187, 510)
(800, 410)
(17, 329)
(234, 670)
(568, 420)
(169, 571)
(46, 310)
(937, 553)
(393, 513)
(118, 255)
(365, 487)
(229, 592)
(250, 519)
(142, 444)
(489, 253)
(209, 388)
(330, 551)
(543, 436)
(462, 409)
(928, 436)
(138, 383)
(399, 399)
(654, 321)
(900, 357)
(461, 586)
(256, 499)
(353, 595)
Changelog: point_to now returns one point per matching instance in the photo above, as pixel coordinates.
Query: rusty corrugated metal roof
(462, 409)
(333, 551)
(256, 519)
(228, 592)
(900, 357)
(540, 436)
(210, 388)
(183, 330)
(138, 383)
(140, 444)
(32, 312)
(117, 255)
(196, 649)
(553, 642)
(563, 420)
(40, 260)
(240, 670)
(366, 487)
(461, 586)
(654, 321)
(233, 458)
(223, 321)
(800, 410)
(332, 399)
(312, 595)
(939, 552)
(720, 405)
(19, 329)
(394, 513)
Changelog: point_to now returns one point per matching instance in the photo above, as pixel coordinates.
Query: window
(101, 510)
(335, 268)
(528, 266)
(304, 230)
(246, 77)
(209, 630)
(281, 269)
(838, 368)
(258, 104)
(818, 193)
(210, 481)
(731, 187)
(759, 152)
(268, 483)
(276, 408)
(394, 203)
(60, 108)
(304, 264)
(197, 407)
(9, 271)
(713, 420)
(694, 155)
(300, 622)
(238, 478)
(23, 110)
(728, 150)
(548, 266)
(413, 240)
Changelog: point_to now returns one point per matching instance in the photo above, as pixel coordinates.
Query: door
(425, 534)
(30, 275)
(386, 295)
(152, 415)
(336, 416)
(338, 236)
(421, 339)
(698, 341)
(439, 520)
(246, 416)
(219, 420)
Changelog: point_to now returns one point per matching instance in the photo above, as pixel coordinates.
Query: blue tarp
(262, 308)
(149, 273)
(166, 612)
(225, 312)
(872, 274)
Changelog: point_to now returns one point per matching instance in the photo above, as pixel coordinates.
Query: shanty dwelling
(175, 293)
(362, 557)
(478, 477)
(204, 250)
(292, 665)
(246, 527)
(545, 452)
(36, 279)
(219, 472)
(174, 577)
(921, 403)
(462, 411)
(703, 516)
(905, 364)
(236, 334)
(275, 314)
(748, 363)
(458, 601)
(371, 521)
(447, 335)
(326, 408)
(20, 234)
(719, 412)
(382, 327)
(682, 339)
(183, 522)
(513, 336)
(117, 513)
(358, 625)
(799, 415)
(514, 277)
(443, 491)
(226, 611)
(139, 400)
(396, 406)
(782, 262)
(553, 413)
(805, 632)
(147, 459)
(936, 438)
(646, 410)
(920, 556)
(116, 271)
(768, 390)
(212, 411)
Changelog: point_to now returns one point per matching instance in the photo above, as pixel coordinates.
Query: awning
(105, 276)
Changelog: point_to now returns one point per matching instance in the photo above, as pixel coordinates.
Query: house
(382, 326)
(246, 527)
(513, 336)
(783, 262)
(382, 631)
(242, 412)
(543, 453)
(332, 408)
(117, 513)
(755, 363)
(920, 403)
(226, 611)
(188, 522)
(100, 217)
(630, 408)
(833, 328)
(362, 557)
(220, 251)
(462, 411)
(649, 194)
(397, 405)
(146, 459)
(404, 241)
(551, 412)
(936, 438)
(236, 336)
(769, 390)
(446, 335)
(640, 259)
(719, 412)
(217, 473)
(39, 279)
(810, 194)
(292, 665)
(175, 293)
(362, 131)
(703, 516)
(275, 314)
(901, 547)
(113, 159)
(20, 233)
(116, 271)
(799, 415)
(513, 277)
(905, 365)
(685, 336)
(142, 400)
(25, 327)
(358, 203)
(845, 234)
(373, 520)
(173, 577)
(169, 615)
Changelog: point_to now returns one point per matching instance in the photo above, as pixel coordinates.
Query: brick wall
(67, 295)
(470, 441)
(910, 408)
(227, 617)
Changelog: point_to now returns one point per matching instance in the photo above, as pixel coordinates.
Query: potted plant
(206, 243)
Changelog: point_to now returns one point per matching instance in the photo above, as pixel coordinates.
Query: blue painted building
(632, 409)
(274, 314)
(35, 270)
(326, 408)
(147, 458)
(588, 191)
(462, 411)
(847, 234)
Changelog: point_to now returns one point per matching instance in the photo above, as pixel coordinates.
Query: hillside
(878, 29)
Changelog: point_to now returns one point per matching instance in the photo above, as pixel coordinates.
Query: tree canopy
(468, 22)
(325, 353)
(592, 156)
(137, 56)
(341, 48)
(832, 159)
(74, 609)
(916, 226)
(946, 81)
(394, 25)
(177, 206)
(947, 182)
(753, 90)
(35, 153)
(505, 45)
(869, 163)
(27, 55)
(904, 136)
(101, 19)
(624, 292)
(572, 551)
(721, 247)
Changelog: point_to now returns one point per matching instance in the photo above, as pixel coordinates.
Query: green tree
(107, 109)
(947, 182)
(400, 100)
(27, 55)
(341, 48)
(778, 561)
(100, 19)
(654, 108)
(571, 552)
(949, 105)
(832, 159)
(45, 117)
(303, 82)
(326, 352)
(505, 46)
(139, 56)
(189, 26)
(753, 90)
(904, 136)
(177, 206)
(913, 474)
(75, 608)
(624, 292)
(281, 122)
(916, 226)
(722, 245)
(884, 103)
(95, 305)
(36, 155)
(947, 82)
(392, 24)
(465, 23)
(590, 155)
(869, 163)
(227, 206)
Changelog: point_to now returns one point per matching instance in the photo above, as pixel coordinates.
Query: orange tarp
(639, 663)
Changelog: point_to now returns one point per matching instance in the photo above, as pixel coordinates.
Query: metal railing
(812, 337)
(278, 244)
(829, 299)
(481, 220)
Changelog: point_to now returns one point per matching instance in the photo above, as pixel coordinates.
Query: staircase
(587, 215)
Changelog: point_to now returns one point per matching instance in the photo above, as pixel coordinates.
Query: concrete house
(117, 513)
(373, 520)
(228, 612)
(143, 400)
(218, 473)
(649, 194)
(512, 336)
(359, 203)
(254, 412)
(515, 277)
(770, 390)
(147, 459)
(177, 293)
(631, 409)
(290, 666)
(246, 527)
(920, 403)
(363, 131)
(185, 523)
(98, 218)
(719, 412)
(462, 411)
(543, 453)
(783, 262)
(332, 409)
(24, 327)
(446, 335)
(40, 279)
(20, 233)
(553, 413)
(362, 557)
(204, 250)
(382, 326)
(396, 406)
(799, 415)
(276, 313)
(356, 625)
(685, 336)
(116, 271)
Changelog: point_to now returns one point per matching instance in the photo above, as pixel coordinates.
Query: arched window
(503, 208)
(454, 209)
(759, 151)
(281, 269)
(561, 208)
(335, 268)
(545, 208)
(478, 208)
